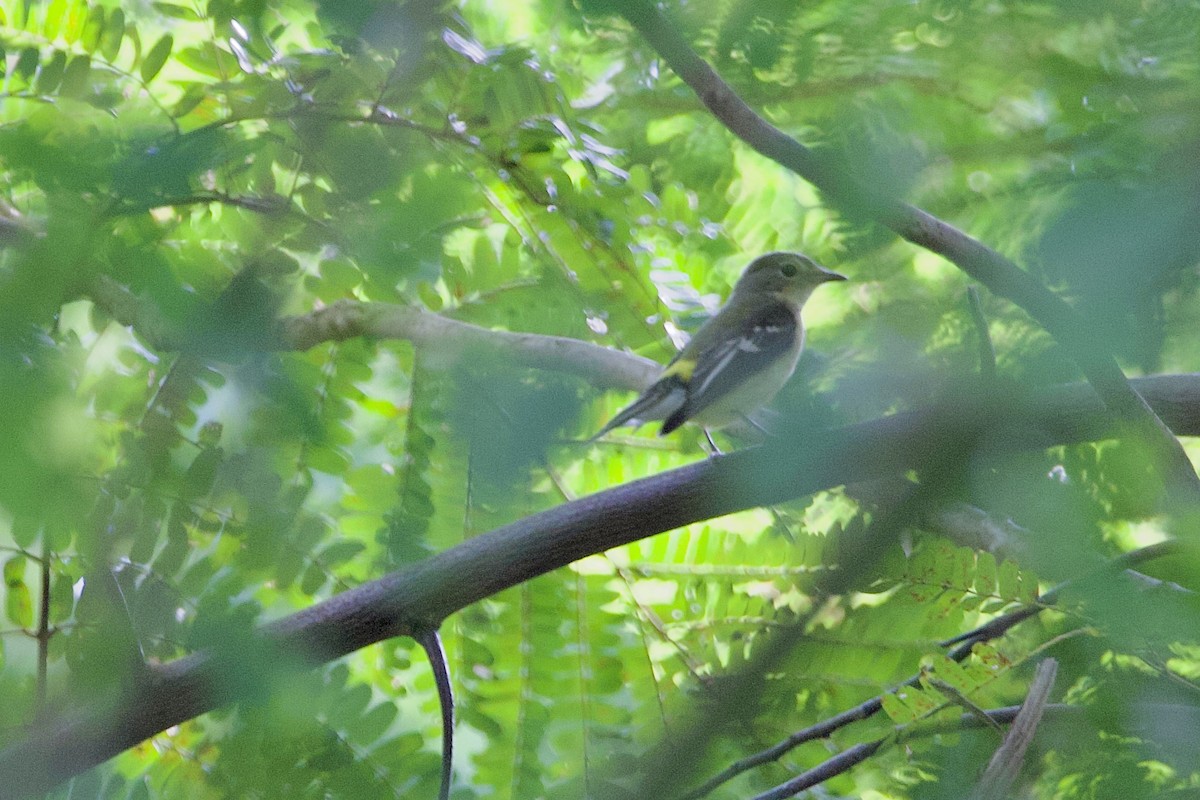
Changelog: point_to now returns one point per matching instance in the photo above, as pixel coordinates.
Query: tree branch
(425, 593)
(993, 270)
(442, 340)
(859, 753)
(1002, 770)
(129, 309)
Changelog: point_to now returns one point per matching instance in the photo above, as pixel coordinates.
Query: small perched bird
(739, 360)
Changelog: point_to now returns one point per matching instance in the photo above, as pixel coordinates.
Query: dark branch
(855, 755)
(827, 769)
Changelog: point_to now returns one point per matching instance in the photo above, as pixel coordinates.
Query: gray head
(790, 274)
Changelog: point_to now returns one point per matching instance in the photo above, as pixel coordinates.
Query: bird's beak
(830, 275)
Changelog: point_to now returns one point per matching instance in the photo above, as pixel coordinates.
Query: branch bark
(1002, 770)
(421, 596)
(440, 338)
(999, 274)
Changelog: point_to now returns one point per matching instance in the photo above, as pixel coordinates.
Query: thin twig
(987, 351)
(855, 755)
(43, 632)
(958, 698)
(827, 769)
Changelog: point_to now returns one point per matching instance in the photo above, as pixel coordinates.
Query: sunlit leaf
(156, 57)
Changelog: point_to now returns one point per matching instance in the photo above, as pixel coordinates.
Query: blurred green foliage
(535, 167)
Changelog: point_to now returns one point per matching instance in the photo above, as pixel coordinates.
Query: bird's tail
(658, 402)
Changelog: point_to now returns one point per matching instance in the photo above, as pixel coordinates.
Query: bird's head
(790, 274)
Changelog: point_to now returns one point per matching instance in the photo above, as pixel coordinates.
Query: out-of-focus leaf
(112, 35)
(18, 601)
(156, 57)
(176, 11)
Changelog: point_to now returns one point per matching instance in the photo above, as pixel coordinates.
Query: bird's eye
(788, 270)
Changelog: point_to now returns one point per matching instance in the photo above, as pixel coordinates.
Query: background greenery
(535, 167)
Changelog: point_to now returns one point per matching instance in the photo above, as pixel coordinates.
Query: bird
(739, 360)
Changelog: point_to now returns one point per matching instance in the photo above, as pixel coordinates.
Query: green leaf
(897, 708)
(112, 35)
(313, 579)
(25, 531)
(14, 571)
(26, 65)
(193, 96)
(204, 60)
(77, 14)
(156, 57)
(51, 73)
(93, 29)
(340, 552)
(75, 78)
(1008, 581)
(368, 728)
(350, 705)
(201, 473)
(18, 602)
(175, 11)
(53, 19)
(985, 574)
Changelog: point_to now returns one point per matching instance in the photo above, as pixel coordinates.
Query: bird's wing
(741, 351)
